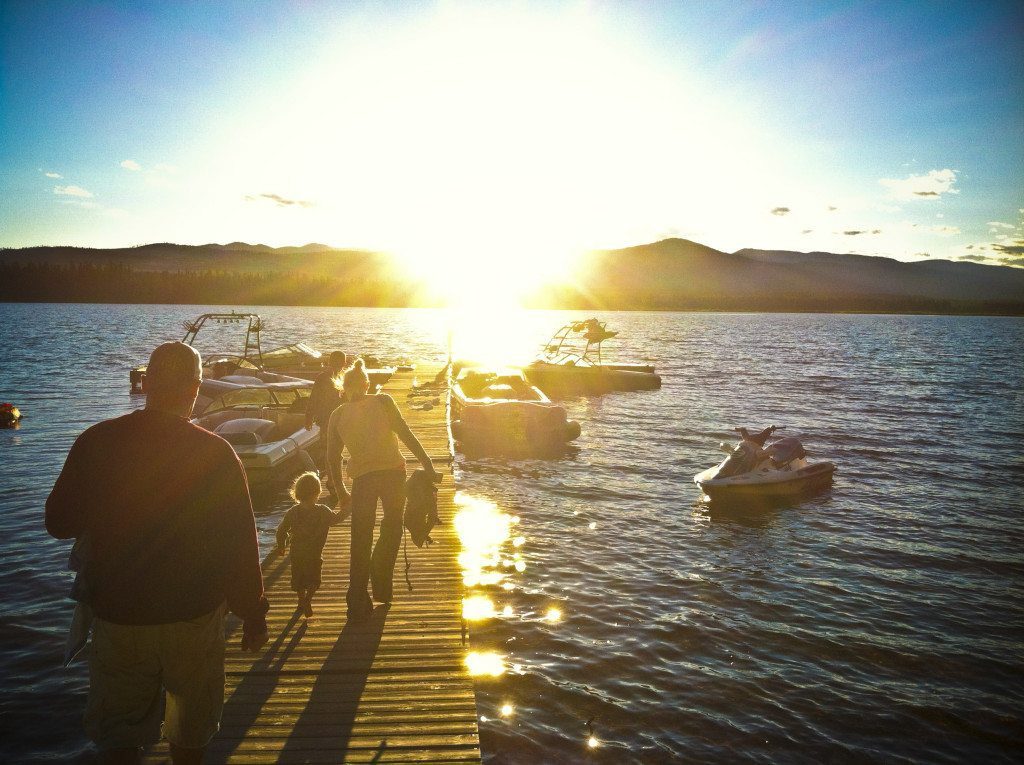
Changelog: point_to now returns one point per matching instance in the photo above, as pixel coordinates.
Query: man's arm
(401, 428)
(334, 449)
(244, 580)
(64, 518)
(313, 403)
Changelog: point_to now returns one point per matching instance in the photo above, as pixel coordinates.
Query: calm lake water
(881, 621)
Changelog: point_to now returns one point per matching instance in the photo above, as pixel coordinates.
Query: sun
(487, 146)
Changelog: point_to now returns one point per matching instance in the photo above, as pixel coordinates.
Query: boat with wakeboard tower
(752, 470)
(571, 363)
(289, 363)
(496, 411)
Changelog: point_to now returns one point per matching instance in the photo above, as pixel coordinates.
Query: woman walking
(370, 426)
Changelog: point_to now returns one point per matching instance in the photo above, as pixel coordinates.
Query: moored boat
(289, 363)
(571, 364)
(265, 425)
(499, 412)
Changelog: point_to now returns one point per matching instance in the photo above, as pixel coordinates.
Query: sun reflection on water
(485, 664)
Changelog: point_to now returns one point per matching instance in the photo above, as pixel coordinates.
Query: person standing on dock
(166, 510)
(370, 426)
(325, 396)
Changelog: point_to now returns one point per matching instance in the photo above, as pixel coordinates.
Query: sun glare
(485, 146)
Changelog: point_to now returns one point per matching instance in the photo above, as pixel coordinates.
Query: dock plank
(392, 688)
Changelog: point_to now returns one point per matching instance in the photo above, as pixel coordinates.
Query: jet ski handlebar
(761, 437)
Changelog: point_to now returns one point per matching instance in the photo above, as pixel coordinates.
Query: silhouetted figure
(304, 529)
(166, 509)
(325, 396)
(370, 426)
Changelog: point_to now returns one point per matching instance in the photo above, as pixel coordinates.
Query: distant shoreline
(673, 275)
(1009, 314)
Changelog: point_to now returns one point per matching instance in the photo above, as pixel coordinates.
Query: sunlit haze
(469, 137)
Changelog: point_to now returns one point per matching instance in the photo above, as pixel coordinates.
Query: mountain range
(672, 274)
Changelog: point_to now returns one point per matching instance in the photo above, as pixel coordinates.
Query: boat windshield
(289, 351)
(567, 359)
(243, 398)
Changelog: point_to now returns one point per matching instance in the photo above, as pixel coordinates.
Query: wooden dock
(393, 688)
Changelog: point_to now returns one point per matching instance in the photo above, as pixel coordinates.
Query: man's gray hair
(173, 367)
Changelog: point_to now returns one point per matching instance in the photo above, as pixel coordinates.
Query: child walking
(304, 526)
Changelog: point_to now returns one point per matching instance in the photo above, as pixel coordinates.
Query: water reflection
(485, 664)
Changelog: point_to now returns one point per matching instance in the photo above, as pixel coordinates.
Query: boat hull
(565, 380)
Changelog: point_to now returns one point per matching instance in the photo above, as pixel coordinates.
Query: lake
(878, 621)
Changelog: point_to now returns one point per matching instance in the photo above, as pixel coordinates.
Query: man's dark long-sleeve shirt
(324, 398)
(167, 512)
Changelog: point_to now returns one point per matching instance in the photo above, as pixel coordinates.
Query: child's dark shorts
(306, 571)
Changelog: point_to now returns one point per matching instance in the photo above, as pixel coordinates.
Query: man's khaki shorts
(131, 666)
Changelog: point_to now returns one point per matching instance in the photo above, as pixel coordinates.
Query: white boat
(571, 364)
(289, 363)
(751, 471)
(265, 425)
(499, 412)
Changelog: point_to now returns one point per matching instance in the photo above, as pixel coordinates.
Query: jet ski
(753, 470)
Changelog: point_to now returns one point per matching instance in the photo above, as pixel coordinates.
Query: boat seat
(246, 431)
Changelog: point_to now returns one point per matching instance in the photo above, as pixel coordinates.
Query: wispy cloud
(50, 174)
(995, 226)
(858, 232)
(278, 200)
(71, 191)
(944, 230)
(131, 164)
(1015, 250)
(932, 185)
(781, 211)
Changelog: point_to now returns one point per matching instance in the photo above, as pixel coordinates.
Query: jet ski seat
(785, 450)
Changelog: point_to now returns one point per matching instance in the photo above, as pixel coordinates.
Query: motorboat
(571, 363)
(265, 425)
(752, 470)
(289, 363)
(499, 412)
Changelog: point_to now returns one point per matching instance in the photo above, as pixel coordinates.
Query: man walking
(166, 511)
(326, 395)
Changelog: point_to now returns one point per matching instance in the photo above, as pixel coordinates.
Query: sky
(456, 131)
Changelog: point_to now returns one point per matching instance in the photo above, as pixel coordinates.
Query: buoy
(10, 415)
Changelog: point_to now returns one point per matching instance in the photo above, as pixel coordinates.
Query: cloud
(922, 254)
(944, 230)
(71, 191)
(50, 175)
(780, 211)
(131, 164)
(854, 233)
(858, 232)
(995, 224)
(832, 208)
(1015, 250)
(929, 186)
(278, 200)
(807, 231)
(975, 258)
